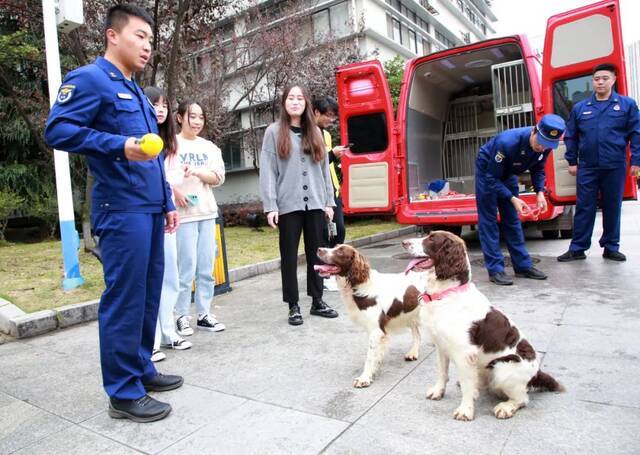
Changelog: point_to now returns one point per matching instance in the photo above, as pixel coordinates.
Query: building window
(460, 5)
(333, 21)
(339, 19)
(232, 151)
(483, 27)
(413, 42)
(426, 47)
(321, 27)
(397, 37)
(444, 40)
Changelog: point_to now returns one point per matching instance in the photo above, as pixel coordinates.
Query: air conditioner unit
(69, 15)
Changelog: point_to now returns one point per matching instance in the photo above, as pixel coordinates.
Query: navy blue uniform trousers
(132, 247)
(610, 184)
(489, 205)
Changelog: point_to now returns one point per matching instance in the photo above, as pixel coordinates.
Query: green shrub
(9, 201)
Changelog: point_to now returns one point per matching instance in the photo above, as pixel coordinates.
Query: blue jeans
(196, 246)
(166, 329)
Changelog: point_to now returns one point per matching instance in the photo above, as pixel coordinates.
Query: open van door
(370, 176)
(575, 42)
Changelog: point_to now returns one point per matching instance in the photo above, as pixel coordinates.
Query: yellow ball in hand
(151, 144)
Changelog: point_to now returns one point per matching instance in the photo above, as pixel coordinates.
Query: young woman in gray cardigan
(297, 195)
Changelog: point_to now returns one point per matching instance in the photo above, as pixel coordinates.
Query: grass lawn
(31, 274)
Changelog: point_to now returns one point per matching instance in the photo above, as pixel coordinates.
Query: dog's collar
(441, 295)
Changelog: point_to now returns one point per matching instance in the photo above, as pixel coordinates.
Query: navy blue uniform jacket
(598, 132)
(509, 154)
(96, 110)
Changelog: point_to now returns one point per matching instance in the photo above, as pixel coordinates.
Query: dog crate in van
(454, 101)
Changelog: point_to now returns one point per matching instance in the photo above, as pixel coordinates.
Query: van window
(568, 92)
(368, 133)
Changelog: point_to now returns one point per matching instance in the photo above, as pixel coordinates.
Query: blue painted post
(68, 233)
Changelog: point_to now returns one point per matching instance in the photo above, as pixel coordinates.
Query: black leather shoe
(614, 255)
(145, 409)
(295, 318)
(532, 273)
(163, 382)
(501, 278)
(319, 308)
(572, 256)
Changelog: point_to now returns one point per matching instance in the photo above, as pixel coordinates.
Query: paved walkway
(265, 387)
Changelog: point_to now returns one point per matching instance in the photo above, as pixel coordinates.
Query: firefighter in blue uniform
(499, 162)
(100, 112)
(598, 132)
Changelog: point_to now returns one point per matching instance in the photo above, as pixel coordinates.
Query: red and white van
(451, 102)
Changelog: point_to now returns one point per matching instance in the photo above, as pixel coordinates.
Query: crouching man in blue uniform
(598, 132)
(100, 112)
(497, 167)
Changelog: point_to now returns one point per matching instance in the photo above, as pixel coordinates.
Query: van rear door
(370, 176)
(575, 42)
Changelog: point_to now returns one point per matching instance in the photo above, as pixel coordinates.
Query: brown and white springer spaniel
(486, 348)
(382, 303)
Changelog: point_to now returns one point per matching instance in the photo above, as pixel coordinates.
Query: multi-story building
(382, 29)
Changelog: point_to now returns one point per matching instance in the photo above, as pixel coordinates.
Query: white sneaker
(183, 327)
(158, 356)
(330, 284)
(210, 323)
(179, 345)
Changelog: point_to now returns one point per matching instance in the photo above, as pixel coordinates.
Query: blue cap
(550, 129)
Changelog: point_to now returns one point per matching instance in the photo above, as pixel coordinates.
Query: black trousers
(338, 218)
(290, 226)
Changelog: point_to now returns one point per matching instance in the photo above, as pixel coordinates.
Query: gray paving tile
(612, 342)
(258, 428)
(405, 412)
(193, 408)
(22, 424)
(601, 379)
(366, 440)
(58, 383)
(78, 341)
(75, 440)
(566, 426)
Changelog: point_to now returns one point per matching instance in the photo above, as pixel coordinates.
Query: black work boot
(501, 279)
(320, 308)
(532, 273)
(163, 382)
(295, 318)
(572, 256)
(614, 255)
(144, 409)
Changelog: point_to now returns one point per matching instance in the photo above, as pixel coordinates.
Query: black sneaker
(320, 308)
(614, 255)
(163, 382)
(532, 273)
(210, 323)
(501, 279)
(295, 318)
(144, 409)
(572, 256)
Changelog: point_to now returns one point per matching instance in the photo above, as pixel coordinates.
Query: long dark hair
(312, 143)
(167, 129)
(185, 108)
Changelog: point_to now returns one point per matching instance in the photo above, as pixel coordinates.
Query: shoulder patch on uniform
(499, 157)
(65, 93)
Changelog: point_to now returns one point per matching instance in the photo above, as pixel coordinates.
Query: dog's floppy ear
(451, 261)
(359, 270)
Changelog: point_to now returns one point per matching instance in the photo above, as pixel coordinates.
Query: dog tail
(545, 382)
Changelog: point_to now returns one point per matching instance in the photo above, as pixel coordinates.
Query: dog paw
(361, 382)
(505, 410)
(435, 393)
(411, 356)
(463, 413)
